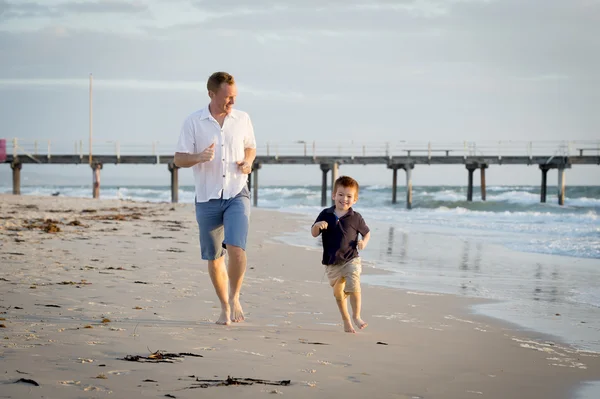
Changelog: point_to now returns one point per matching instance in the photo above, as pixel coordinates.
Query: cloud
(28, 10)
(9, 10)
(104, 6)
(415, 8)
(150, 85)
(549, 77)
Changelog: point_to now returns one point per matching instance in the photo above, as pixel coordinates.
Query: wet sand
(123, 278)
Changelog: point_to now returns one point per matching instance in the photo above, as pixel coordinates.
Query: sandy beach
(96, 295)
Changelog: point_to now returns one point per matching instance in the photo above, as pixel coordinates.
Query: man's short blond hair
(217, 79)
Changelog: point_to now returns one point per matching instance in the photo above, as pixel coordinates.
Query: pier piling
(544, 186)
(561, 185)
(16, 175)
(324, 169)
(255, 169)
(482, 168)
(408, 168)
(334, 176)
(96, 167)
(394, 182)
(471, 169)
(174, 182)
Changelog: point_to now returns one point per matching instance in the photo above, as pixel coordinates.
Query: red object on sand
(2, 150)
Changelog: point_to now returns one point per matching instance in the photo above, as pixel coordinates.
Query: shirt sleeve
(320, 218)
(249, 139)
(362, 228)
(187, 138)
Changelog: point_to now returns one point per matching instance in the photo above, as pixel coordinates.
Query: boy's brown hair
(346, 182)
(217, 79)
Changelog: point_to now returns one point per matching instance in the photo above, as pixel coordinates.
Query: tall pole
(91, 119)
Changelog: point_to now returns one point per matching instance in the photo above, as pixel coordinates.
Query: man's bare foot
(224, 318)
(237, 314)
(348, 327)
(359, 323)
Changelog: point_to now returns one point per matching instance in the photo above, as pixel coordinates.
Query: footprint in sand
(119, 372)
(337, 364)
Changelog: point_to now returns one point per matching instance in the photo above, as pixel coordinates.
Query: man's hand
(244, 167)
(360, 245)
(322, 225)
(208, 154)
(187, 160)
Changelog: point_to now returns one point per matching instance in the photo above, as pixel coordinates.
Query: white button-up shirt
(222, 174)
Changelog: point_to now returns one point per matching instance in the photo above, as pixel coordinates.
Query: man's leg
(236, 269)
(209, 216)
(218, 276)
(236, 220)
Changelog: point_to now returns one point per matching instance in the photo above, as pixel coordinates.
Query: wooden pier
(329, 157)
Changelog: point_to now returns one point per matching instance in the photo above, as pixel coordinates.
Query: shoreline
(395, 272)
(441, 323)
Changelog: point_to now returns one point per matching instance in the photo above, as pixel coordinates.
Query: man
(218, 143)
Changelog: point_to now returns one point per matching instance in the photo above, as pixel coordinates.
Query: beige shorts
(349, 271)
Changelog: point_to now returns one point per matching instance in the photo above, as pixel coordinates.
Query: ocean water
(511, 215)
(539, 263)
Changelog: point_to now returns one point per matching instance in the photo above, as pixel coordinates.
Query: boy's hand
(360, 245)
(322, 225)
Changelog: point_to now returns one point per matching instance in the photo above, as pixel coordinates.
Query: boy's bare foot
(224, 318)
(237, 314)
(348, 327)
(359, 323)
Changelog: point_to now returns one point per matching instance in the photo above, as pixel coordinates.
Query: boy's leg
(355, 302)
(340, 299)
(352, 274)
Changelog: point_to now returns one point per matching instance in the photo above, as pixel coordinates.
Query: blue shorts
(223, 222)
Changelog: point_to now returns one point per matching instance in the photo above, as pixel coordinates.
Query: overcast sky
(325, 70)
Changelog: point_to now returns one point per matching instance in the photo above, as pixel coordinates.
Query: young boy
(341, 227)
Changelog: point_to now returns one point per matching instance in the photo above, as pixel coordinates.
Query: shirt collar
(349, 213)
(207, 115)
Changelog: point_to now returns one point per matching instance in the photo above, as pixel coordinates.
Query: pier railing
(46, 148)
(396, 155)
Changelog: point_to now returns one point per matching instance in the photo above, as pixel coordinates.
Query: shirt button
(223, 175)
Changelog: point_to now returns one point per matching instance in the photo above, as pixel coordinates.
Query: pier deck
(402, 155)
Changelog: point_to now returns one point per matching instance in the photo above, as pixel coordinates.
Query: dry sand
(123, 278)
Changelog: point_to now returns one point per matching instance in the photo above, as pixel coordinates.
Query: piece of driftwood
(27, 381)
(159, 357)
(303, 341)
(201, 383)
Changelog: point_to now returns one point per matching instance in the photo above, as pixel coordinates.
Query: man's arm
(185, 160)
(249, 155)
(245, 166)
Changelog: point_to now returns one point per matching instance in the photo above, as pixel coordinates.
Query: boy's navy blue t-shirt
(341, 236)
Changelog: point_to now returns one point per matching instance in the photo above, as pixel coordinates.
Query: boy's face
(344, 197)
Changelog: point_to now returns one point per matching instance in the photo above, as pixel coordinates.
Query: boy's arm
(318, 225)
(365, 232)
(362, 243)
(316, 228)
